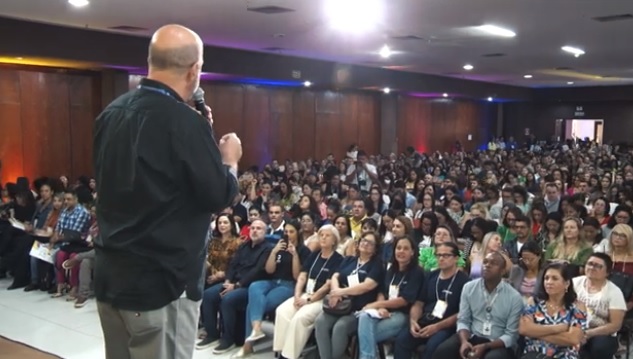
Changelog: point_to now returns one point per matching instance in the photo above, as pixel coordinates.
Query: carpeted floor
(13, 350)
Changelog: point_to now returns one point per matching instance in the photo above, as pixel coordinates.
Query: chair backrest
(623, 281)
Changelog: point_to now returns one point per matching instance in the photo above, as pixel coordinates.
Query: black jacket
(248, 263)
(159, 176)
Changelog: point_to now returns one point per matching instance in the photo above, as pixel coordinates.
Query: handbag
(342, 308)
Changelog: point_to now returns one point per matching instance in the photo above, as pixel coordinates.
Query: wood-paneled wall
(285, 123)
(435, 124)
(46, 123)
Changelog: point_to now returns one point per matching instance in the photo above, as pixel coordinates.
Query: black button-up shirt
(159, 177)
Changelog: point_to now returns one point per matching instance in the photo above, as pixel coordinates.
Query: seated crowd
(503, 253)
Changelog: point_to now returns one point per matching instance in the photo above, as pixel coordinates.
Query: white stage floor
(56, 327)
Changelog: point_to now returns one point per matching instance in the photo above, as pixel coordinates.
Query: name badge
(487, 329)
(439, 309)
(310, 286)
(393, 291)
(352, 280)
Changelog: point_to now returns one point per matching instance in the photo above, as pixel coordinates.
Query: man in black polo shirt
(160, 175)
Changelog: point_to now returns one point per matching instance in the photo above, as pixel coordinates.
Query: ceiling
(444, 29)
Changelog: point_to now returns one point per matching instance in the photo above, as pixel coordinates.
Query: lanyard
(447, 291)
(323, 266)
(156, 89)
(358, 267)
(401, 279)
(489, 302)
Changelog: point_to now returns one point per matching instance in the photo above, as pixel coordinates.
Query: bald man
(160, 175)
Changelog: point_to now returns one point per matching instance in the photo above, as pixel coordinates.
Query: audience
(414, 228)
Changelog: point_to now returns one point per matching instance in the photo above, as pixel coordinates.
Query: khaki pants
(165, 333)
(293, 327)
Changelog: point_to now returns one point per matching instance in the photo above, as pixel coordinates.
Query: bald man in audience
(160, 175)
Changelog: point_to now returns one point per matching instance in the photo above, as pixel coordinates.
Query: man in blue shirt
(488, 319)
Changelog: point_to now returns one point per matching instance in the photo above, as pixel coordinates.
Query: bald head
(174, 48)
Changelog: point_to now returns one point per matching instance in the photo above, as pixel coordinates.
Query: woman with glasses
(428, 261)
(620, 248)
(357, 278)
(553, 322)
(384, 318)
(605, 306)
(295, 317)
(524, 276)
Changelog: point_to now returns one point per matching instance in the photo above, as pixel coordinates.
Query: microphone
(198, 101)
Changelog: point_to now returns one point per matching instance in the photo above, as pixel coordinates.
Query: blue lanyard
(156, 89)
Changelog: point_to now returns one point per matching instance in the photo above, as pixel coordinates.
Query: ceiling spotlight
(573, 50)
(78, 3)
(527, 76)
(386, 90)
(570, 82)
(354, 15)
(468, 67)
(445, 95)
(497, 31)
(307, 84)
(385, 52)
(490, 99)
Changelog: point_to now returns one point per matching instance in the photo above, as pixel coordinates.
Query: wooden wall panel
(304, 125)
(435, 124)
(282, 123)
(46, 119)
(45, 124)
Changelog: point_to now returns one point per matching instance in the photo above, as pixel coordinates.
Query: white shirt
(599, 304)
(362, 175)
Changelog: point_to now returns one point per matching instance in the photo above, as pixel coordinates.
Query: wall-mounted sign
(580, 112)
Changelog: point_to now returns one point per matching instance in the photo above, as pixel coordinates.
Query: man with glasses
(434, 315)
(522, 231)
(488, 319)
(605, 304)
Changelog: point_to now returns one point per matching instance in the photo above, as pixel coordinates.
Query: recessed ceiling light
(468, 67)
(354, 15)
(78, 3)
(444, 95)
(385, 52)
(527, 76)
(573, 50)
(570, 82)
(386, 90)
(497, 31)
(490, 99)
(307, 84)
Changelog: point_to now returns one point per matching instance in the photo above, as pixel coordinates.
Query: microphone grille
(198, 94)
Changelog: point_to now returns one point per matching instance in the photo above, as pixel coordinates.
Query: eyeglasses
(528, 260)
(595, 265)
(368, 242)
(620, 235)
(444, 255)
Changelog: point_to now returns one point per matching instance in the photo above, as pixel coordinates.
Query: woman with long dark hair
(398, 292)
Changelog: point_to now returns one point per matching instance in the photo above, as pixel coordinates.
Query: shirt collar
(162, 86)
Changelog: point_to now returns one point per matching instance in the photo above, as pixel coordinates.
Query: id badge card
(352, 280)
(310, 286)
(393, 291)
(487, 329)
(439, 309)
